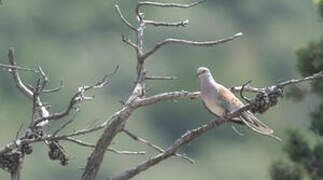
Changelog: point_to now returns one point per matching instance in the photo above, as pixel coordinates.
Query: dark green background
(79, 41)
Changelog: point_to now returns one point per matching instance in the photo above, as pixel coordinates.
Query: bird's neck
(207, 80)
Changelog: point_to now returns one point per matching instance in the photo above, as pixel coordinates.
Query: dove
(219, 101)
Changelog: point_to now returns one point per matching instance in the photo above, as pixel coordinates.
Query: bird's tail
(256, 125)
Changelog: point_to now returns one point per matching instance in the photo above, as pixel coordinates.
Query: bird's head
(203, 72)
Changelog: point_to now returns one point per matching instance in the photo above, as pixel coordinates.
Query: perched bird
(220, 101)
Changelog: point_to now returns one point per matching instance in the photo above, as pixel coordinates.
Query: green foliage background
(79, 41)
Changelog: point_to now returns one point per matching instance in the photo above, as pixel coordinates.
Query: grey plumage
(219, 101)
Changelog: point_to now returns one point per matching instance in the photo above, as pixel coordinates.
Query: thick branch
(160, 77)
(187, 137)
(112, 128)
(192, 43)
(166, 96)
(15, 174)
(184, 139)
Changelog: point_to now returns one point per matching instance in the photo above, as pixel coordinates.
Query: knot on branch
(265, 100)
(56, 152)
(26, 149)
(10, 162)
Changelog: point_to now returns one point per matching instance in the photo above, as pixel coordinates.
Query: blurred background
(79, 41)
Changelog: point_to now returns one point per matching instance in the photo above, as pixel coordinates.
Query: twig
(241, 92)
(65, 124)
(19, 130)
(192, 43)
(157, 148)
(166, 24)
(61, 85)
(10, 67)
(124, 20)
(86, 144)
(44, 79)
(129, 42)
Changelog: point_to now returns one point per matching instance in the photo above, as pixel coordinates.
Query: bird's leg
(224, 116)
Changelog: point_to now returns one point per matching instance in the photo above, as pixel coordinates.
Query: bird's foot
(224, 116)
(214, 122)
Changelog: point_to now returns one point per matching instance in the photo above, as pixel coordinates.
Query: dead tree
(13, 153)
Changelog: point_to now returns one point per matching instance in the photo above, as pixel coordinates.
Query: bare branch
(36, 92)
(17, 68)
(246, 88)
(167, 24)
(157, 148)
(65, 124)
(16, 143)
(166, 96)
(157, 4)
(160, 77)
(61, 85)
(19, 130)
(191, 43)
(187, 137)
(78, 132)
(112, 128)
(124, 20)
(78, 97)
(19, 84)
(129, 42)
(241, 92)
(318, 75)
(184, 139)
(86, 144)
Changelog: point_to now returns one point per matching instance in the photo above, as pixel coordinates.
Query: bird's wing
(231, 103)
(209, 109)
(235, 120)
